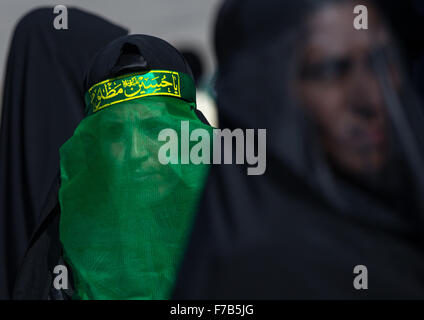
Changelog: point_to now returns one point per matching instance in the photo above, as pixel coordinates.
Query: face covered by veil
(344, 179)
(124, 214)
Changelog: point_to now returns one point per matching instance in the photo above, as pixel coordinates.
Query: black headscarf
(134, 53)
(42, 104)
(298, 231)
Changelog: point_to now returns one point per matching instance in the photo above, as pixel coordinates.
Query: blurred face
(339, 89)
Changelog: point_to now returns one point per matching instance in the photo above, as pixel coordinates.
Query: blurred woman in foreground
(344, 179)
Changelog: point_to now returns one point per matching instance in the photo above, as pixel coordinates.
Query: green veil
(125, 217)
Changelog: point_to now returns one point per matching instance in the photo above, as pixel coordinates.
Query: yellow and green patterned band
(138, 85)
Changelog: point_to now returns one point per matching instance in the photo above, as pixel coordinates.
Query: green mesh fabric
(125, 217)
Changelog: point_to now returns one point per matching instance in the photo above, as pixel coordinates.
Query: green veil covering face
(125, 217)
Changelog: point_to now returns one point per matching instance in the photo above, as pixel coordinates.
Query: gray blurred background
(183, 23)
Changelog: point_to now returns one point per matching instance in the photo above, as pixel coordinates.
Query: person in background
(42, 104)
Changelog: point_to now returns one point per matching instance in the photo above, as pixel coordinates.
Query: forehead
(331, 30)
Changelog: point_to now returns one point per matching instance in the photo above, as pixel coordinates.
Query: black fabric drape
(42, 104)
(298, 231)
